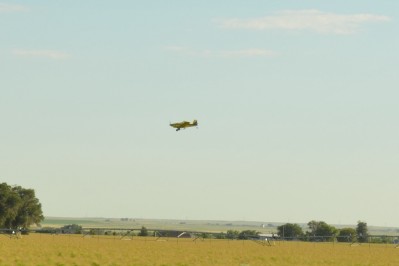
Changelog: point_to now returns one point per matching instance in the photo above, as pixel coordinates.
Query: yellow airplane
(184, 125)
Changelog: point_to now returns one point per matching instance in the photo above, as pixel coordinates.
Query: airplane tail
(195, 123)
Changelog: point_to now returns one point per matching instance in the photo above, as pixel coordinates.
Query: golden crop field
(57, 250)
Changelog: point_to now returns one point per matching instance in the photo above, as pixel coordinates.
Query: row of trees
(234, 234)
(231, 234)
(19, 207)
(321, 231)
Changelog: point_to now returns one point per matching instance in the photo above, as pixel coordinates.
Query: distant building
(267, 236)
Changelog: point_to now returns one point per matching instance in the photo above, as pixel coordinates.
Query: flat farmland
(42, 249)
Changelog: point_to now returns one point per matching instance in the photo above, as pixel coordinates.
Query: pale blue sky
(296, 103)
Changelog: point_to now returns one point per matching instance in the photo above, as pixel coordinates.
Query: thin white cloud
(52, 54)
(223, 53)
(12, 8)
(312, 20)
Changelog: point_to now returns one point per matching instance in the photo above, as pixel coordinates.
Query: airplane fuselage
(183, 125)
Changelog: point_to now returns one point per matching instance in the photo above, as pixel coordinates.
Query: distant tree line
(317, 231)
(235, 234)
(321, 231)
(231, 234)
(19, 207)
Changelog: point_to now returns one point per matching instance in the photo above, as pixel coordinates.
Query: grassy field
(191, 225)
(42, 249)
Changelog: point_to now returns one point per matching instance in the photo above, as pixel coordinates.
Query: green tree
(71, 229)
(346, 235)
(312, 225)
(362, 231)
(205, 235)
(143, 231)
(320, 230)
(232, 234)
(289, 230)
(326, 230)
(9, 204)
(30, 209)
(220, 235)
(19, 207)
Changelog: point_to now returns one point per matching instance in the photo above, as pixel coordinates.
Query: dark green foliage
(30, 211)
(381, 239)
(232, 234)
(206, 235)
(362, 232)
(9, 205)
(71, 229)
(289, 231)
(321, 231)
(143, 231)
(19, 207)
(346, 235)
(221, 235)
